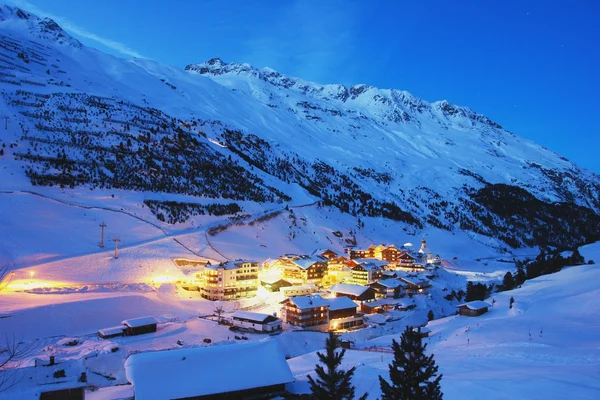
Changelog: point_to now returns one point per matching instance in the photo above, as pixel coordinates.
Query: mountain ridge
(93, 120)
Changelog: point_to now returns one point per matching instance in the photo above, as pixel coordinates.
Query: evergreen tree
(576, 258)
(430, 315)
(412, 373)
(508, 282)
(332, 382)
(521, 276)
(510, 302)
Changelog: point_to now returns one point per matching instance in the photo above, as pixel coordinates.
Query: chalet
(389, 288)
(251, 370)
(365, 273)
(304, 270)
(473, 308)
(325, 253)
(112, 332)
(138, 326)
(230, 280)
(306, 311)
(342, 314)
(275, 284)
(301, 290)
(416, 286)
(391, 254)
(353, 291)
(358, 253)
(405, 260)
(256, 321)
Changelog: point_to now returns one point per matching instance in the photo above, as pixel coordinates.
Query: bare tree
(12, 352)
(219, 310)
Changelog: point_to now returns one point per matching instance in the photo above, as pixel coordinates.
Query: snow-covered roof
(113, 330)
(205, 371)
(312, 301)
(340, 303)
(272, 279)
(475, 305)
(137, 322)
(252, 316)
(306, 263)
(235, 264)
(373, 261)
(384, 302)
(392, 283)
(369, 266)
(348, 288)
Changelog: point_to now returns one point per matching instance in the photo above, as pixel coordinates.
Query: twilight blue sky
(532, 66)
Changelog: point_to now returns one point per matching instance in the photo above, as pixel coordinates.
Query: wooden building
(416, 286)
(305, 270)
(233, 372)
(391, 254)
(343, 314)
(306, 311)
(138, 326)
(473, 308)
(392, 288)
(274, 285)
(353, 291)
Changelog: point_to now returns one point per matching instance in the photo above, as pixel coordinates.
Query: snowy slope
(398, 167)
(546, 347)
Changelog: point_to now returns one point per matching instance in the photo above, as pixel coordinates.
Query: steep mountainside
(79, 117)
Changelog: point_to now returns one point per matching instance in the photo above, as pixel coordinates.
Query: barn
(473, 308)
(239, 371)
(138, 326)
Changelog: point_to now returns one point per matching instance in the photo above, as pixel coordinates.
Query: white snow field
(546, 347)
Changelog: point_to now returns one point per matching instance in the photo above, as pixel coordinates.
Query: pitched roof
(137, 322)
(200, 371)
(235, 264)
(114, 330)
(340, 303)
(391, 283)
(312, 301)
(306, 263)
(348, 288)
(475, 305)
(252, 316)
(369, 266)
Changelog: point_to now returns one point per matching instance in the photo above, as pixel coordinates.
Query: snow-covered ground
(546, 347)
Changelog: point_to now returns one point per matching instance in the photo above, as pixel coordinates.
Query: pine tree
(332, 382)
(412, 373)
(430, 315)
(508, 282)
(510, 302)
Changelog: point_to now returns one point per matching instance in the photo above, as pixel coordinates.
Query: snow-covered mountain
(230, 132)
